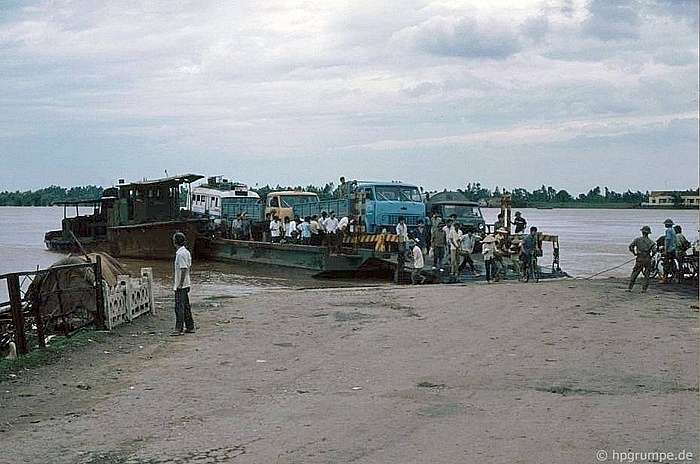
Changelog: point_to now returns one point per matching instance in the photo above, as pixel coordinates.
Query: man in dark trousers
(519, 223)
(184, 323)
(642, 247)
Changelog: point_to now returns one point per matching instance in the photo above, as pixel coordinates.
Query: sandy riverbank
(549, 372)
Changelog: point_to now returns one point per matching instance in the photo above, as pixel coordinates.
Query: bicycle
(688, 267)
(658, 267)
(529, 269)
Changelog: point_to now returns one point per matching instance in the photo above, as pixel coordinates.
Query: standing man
(421, 234)
(488, 247)
(519, 223)
(528, 248)
(468, 242)
(642, 247)
(331, 226)
(275, 227)
(418, 263)
(402, 232)
(183, 263)
(669, 249)
(455, 243)
(437, 243)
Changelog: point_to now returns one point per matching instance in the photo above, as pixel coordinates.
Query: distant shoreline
(533, 206)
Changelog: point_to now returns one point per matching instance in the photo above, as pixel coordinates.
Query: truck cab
(384, 202)
(290, 203)
(468, 212)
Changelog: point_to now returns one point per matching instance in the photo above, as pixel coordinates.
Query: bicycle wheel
(656, 268)
(522, 274)
(533, 270)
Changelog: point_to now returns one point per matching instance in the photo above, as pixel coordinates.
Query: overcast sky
(570, 94)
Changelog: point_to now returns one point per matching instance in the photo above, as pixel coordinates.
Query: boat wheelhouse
(129, 220)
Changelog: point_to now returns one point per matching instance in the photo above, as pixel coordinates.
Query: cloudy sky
(518, 93)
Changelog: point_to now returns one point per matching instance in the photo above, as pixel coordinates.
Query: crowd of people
(326, 229)
(450, 246)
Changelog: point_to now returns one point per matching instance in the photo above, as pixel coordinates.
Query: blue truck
(378, 205)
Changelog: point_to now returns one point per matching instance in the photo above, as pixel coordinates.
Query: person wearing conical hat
(642, 248)
(488, 247)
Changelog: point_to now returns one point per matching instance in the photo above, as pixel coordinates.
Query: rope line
(608, 270)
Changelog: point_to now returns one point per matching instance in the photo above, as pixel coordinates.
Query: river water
(591, 241)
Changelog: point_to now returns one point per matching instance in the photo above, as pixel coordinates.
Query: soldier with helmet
(642, 248)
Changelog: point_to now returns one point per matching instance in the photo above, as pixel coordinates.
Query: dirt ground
(557, 371)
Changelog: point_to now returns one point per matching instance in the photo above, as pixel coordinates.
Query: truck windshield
(291, 200)
(462, 211)
(397, 193)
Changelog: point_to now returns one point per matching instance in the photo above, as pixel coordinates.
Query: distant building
(671, 198)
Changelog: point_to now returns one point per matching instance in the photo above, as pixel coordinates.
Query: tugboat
(133, 220)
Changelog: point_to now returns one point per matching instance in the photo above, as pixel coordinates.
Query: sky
(571, 94)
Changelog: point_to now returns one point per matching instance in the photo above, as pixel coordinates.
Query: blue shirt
(670, 239)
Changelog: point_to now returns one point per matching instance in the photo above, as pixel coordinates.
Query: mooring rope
(608, 270)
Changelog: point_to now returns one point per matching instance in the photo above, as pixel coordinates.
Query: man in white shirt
(455, 243)
(183, 263)
(275, 229)
(402, 231)
(331, 226)
(418, 263)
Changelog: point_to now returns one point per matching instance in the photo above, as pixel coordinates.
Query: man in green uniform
(642, 247)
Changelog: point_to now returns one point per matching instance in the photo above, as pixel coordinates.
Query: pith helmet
(646, 229)
(668, 222)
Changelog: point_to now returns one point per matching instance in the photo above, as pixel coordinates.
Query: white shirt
(331, 225)
(468, 242)
(418, 261)
(454, 237)
(274, 228)
(289, 227)
(183, 263)
(487, 250)
(402, 231)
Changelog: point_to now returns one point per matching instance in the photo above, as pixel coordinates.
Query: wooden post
(99, 295)
(13, 289)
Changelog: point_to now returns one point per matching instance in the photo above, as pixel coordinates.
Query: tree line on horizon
(520, 197)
